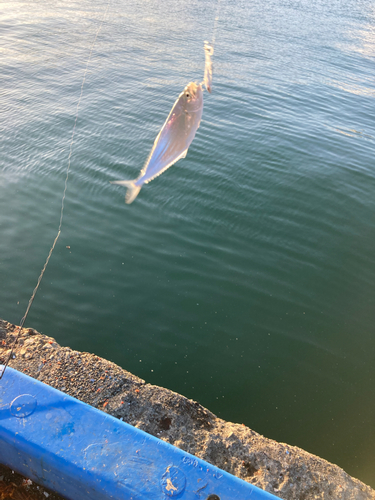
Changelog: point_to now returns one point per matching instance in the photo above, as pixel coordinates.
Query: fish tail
(132, 191)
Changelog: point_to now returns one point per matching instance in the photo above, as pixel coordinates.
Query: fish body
(173, 140)
(208, 52)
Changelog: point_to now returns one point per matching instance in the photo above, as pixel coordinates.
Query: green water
(243, 277)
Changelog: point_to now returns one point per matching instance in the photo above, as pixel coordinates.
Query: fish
(208, 52)
(173, 140)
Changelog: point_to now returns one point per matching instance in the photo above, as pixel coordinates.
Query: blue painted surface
(83, 453)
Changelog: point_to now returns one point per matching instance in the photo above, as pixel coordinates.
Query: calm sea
(243, 277)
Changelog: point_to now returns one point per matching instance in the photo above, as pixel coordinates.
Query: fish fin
(182, 155)
(132, 191)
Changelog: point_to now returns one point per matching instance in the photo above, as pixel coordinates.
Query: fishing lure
(208, 52)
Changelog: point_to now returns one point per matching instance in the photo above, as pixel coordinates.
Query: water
(243, 277)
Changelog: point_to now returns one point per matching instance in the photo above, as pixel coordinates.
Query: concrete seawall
(286, 471)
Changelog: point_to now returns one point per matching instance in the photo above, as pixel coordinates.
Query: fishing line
(216, 23)
(62, 200)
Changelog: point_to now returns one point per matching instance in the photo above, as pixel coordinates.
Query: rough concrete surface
(286, 471)
(13, 486)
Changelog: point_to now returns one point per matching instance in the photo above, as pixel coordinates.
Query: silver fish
(208, 52)
(173, 140)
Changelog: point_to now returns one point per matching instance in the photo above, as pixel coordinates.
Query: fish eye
(187, 94)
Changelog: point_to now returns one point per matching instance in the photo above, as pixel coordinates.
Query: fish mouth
(192, 88)
(193, 96)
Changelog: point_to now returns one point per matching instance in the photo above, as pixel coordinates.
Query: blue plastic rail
(83, 453)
